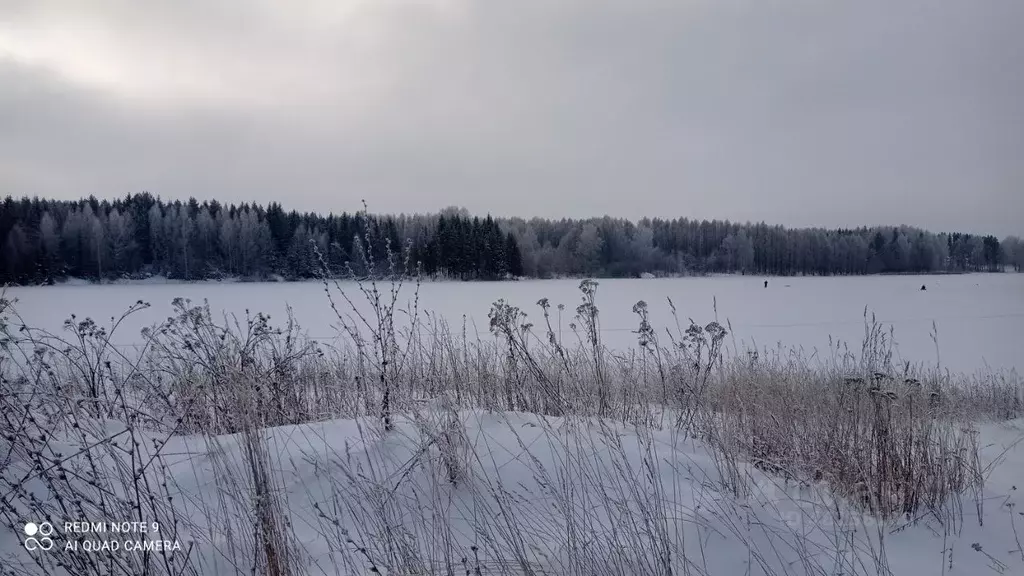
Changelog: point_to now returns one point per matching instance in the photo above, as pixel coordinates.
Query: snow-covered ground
(979, 317)
(777, 529)
(643, 499)
(515, 493)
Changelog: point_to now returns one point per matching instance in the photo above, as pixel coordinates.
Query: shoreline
(163, 280)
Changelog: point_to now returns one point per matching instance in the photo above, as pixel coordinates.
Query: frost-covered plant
(387, 352)
(888, 440)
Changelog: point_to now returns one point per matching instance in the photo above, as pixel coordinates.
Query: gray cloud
(797, 112)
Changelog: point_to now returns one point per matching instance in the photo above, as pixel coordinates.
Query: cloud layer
(800, 112)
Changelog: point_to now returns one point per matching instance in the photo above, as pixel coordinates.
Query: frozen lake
(980, 317)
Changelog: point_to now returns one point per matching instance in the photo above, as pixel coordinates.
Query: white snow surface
(780, 530)
(979, 317)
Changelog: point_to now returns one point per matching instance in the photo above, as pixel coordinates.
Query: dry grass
(83, 424)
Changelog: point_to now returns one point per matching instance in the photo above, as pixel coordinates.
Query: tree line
(140, 235)
(620, 248)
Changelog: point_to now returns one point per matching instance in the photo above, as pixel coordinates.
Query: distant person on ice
(765, 283)
(923, 287)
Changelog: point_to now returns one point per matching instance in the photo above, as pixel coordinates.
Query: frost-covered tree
(179, 228)
(642, 252)
(1013, 252)
(123, 246)
(158, 239)
(83, 243)
(254, 242)
(205, 243)
(302, 261)
(587, 249)
(738, 252)
(49, 241)
(18, 254)
(230, 252)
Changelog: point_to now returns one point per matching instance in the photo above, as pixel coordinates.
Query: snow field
(420, 448)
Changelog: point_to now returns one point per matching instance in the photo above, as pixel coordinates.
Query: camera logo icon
(38, 536)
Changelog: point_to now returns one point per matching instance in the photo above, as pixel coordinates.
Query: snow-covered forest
(141, 235)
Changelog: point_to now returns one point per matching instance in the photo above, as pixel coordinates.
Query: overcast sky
(799, 112)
